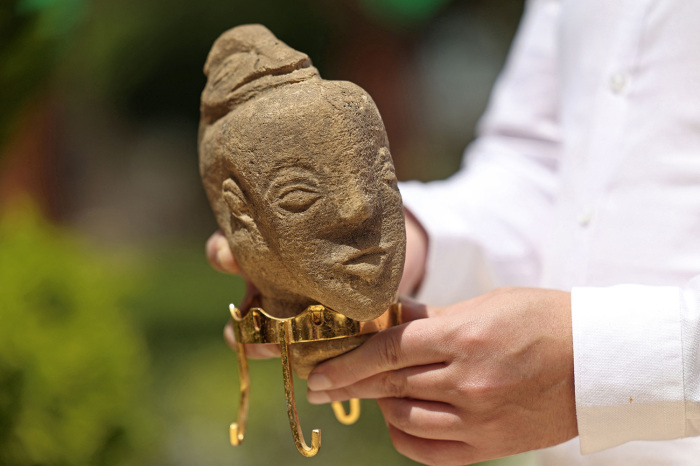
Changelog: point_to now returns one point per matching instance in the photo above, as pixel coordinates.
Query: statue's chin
(362, 305)
(306, 355)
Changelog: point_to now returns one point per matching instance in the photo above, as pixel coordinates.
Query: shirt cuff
(628, 365)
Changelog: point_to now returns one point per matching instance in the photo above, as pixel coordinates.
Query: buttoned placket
(608, 130)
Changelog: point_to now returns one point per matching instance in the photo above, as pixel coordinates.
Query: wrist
(416, 255)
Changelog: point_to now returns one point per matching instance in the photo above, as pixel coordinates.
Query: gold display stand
(316, 323)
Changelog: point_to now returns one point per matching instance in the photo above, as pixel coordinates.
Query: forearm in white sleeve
(636, 363)
(486, 223)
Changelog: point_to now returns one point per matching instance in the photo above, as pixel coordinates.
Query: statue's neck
(287, 307)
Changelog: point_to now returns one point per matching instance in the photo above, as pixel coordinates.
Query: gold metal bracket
(237, 429)
(285, 342)
(316, 323)
(349, 417)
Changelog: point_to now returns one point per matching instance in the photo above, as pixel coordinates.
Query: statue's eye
(298, 199)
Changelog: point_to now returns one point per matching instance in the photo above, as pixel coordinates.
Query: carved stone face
(309, 201)
(298, 172)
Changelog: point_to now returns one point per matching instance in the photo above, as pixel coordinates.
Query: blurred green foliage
(402, 13)
(142, 58)
(73, 369)
(33, 37)
(146, 58)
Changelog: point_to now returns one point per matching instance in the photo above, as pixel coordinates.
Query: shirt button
(585, 217)
(618, 81)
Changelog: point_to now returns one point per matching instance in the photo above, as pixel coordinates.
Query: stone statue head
(298, 172)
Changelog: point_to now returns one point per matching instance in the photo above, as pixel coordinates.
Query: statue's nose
(354, 207)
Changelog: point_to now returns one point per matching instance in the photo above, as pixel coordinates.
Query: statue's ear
(237, 204)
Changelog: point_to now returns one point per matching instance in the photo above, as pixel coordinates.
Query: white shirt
(586, 175)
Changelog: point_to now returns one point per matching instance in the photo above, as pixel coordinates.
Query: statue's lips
(367, 264)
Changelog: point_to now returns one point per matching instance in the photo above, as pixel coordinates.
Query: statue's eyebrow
(289, 177)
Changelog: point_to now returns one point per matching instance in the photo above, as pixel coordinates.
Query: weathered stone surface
(299, 175)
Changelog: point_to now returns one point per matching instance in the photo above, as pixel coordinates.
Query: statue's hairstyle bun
(245, 61)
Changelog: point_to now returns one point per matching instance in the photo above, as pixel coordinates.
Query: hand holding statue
(480, 379)
(299, 175)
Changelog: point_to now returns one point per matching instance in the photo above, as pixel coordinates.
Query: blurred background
(110, 318)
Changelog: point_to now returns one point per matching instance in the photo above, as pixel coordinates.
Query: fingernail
(224, 260)
(318, 398)
(318, 382)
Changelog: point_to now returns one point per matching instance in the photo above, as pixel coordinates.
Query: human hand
(221, 258)
(480, 379)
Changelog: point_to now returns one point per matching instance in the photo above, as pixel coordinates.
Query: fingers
(430, 451)
(410, 344)
(420, 418)
(219, 254)
(420, 382)
(257, 351)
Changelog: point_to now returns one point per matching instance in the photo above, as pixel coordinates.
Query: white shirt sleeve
(636, 363)
(486, 223)
(636, 347)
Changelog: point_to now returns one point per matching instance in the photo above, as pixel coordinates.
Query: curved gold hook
(237, 429)
(349, 417)
(285, 332)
